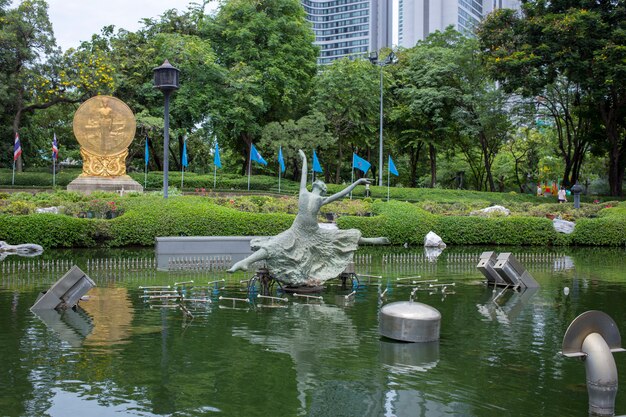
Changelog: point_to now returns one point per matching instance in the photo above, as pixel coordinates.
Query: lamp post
(374, 60)
(166, 80)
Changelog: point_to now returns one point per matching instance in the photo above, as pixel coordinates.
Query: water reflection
(298, 333)
(112, 315)
(505, 304)
(314, 360)
(404, 358)
(72, 325)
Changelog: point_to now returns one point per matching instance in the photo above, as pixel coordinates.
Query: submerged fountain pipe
(594, 337)
(601, 375)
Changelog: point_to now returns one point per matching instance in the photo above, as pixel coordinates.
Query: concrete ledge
(172, 248)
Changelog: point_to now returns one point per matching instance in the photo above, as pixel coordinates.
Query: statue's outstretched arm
(303, 176)
(345, 191)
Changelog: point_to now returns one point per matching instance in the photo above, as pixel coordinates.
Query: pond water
(119, 355)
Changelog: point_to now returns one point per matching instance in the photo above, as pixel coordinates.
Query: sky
(75, 21)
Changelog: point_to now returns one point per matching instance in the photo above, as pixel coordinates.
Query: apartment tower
(349, 28)
(419, 18)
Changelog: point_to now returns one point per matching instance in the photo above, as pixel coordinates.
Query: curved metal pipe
(601, 375)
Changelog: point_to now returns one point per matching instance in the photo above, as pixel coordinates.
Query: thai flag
(17, 148)
(55, 148)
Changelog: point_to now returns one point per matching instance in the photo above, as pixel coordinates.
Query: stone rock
(26, 249)
(433, 240)
(563, 226)
(53, 210)
(498, 210)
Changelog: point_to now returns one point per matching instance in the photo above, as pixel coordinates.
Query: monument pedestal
(88, 184)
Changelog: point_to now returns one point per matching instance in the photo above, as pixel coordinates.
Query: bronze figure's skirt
(308, 256)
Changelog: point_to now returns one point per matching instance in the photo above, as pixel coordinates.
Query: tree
(346, 93)
(36, 75)
(307, 133)
(268, 60)
(580, 40)
(427, 91)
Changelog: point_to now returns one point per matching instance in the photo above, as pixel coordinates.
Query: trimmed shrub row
(404, 222)
(140, 224)
(146, 218)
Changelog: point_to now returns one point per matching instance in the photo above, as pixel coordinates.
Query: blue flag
(281, 160)
(392, 167)
(216, 158)
(360, 163)
(146, 154)
(256, 156)
(316, 163)
(185, 162)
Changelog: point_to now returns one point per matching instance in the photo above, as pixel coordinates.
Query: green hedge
(609, 229)
(513, 230)
(404, 222)
(190, 216)
(143, 221)
(52, 230)
(148, 217)
(400, 222)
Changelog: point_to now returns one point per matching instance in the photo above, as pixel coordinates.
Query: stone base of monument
(87, 184)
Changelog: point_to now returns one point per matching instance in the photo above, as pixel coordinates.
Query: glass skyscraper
(419, 18)
(349, 28)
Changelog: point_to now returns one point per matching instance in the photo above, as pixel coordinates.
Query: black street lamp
(374, 60)
(166, 80)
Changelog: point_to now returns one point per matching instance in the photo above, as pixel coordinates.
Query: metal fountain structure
(504, 270)
(593, 337)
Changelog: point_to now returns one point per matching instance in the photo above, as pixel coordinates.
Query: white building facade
(419, 18)
(349, 28)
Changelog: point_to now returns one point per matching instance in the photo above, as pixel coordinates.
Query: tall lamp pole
(166, 80)
(374, 60)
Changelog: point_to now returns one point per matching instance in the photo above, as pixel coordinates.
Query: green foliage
(141, 218)
(400, 222)
(52, 230)
(513, 230)
(190, 217)
(344, 94)
(579, 44)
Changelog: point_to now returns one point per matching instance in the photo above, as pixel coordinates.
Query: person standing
(561, 195)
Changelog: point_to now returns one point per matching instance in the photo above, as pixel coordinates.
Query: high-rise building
(419, 18)
(349, 28)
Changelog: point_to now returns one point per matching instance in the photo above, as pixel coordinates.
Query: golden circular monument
(105, 127)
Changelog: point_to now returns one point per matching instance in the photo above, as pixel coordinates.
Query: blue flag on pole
(185, 162)
(256, 156)
(316, 163)
(392, 167)
(281, 160)
(146, 154)
(360, 163)
(216, 157)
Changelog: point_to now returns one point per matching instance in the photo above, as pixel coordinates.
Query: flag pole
(13, 180)
(388, 176)
(54, 173)
(214, 175)
(278, 178)
(249, 164)
(182, 178)
(145, 176)
(351, 179)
